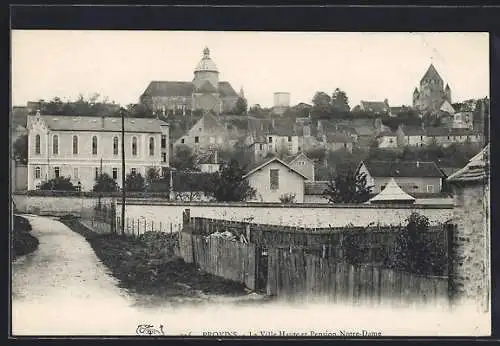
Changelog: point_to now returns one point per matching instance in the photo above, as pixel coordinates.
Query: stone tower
(206, 70)
(432, 92)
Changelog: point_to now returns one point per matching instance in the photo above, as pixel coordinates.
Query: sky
(367, 66)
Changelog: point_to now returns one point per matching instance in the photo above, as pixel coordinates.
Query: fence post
(450, 237)
(171, 228)
(152, 226)
(145, 224)
(127, 224)
(160, 226)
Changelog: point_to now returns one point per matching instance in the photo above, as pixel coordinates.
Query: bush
(287, 198)
(135, 182)
(23, 242)
(105, 183)
(60, 183)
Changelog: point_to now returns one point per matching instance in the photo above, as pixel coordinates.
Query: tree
(20, 149)
(183, 158)
(322, 107)
(240, 106)
(155, 182)
(340, 102)
(58, 184)
(134, 182)
(104, 183)
(348, 187)
(228, 185)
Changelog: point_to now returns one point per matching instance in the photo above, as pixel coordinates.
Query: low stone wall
(310, 215)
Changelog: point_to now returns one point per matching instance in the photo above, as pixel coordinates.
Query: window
(134, 146)
(182, 141)
(345, 145)
(38, 172)
(391, 141)
(115, 145)
(94, 145)
(164, 157)
(75, 173)
(75, 145)
(37, 144)
(134, 171)
(448, 137)
(151, 146)
(115, 173)
(261, 147)
(57, 172)
(97, 173)
(382, 187)
(421, 137)
(199, 129)
(163, 141)
(274, 179)
(197, 139)
(270, 139)
(164, 171)
(55, 144)
(289, 138)
(430, 188)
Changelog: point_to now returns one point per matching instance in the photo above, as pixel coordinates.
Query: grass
(148, 264)
(23, 242)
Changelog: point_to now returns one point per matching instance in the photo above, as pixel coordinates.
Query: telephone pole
(123, 172)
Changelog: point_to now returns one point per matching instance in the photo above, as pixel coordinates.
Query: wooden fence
(225, 258)
(138, 226)
(301, 275)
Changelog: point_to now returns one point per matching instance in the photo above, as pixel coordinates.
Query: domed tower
(447, 93)
(206, 70)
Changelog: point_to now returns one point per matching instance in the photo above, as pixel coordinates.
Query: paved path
(63, 288)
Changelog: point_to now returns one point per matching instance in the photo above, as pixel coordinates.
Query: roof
(169, 89)
(101, 124)
(431, 73)
(315, 187)
(226, 90)
(190, 181)
(206, 63)
(449, 170)
(408, 169)
(476, 170)
(301, 154)
(392, 193)
(211, 123)
(387, 134)
(259, 165)
(375, 106)
(446, 131)
(207, 88)
(414, 131)
(397, 110)
(336, 137)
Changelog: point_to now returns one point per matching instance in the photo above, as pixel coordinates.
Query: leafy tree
(183, 158)
(348, 187)
(241, 106)
(58, 184)
(155, 182)
(104, 183)
(409, 117)
(391, 122)
(340, 102)
(20, 149)
(287, 198)
(322, 107)
(134, 182)
(228, 185)
(140, 110)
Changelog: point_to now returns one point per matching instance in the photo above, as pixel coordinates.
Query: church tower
(432, 93)
(447, 93)
(206, 70)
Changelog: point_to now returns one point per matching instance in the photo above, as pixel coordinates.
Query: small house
(392, 194)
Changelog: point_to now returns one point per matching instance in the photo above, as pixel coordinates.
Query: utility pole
(123, 172)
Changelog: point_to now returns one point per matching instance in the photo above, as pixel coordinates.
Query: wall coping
(137, 201)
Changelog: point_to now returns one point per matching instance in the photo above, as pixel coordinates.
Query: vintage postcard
(261, 184)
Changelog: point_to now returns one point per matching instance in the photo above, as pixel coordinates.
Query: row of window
(57, 172)
(55, 145)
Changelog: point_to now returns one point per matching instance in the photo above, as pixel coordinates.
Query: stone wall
(44, 205)
(311, 215)
(471, 244)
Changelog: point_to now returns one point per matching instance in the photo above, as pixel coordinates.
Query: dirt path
(62, 286)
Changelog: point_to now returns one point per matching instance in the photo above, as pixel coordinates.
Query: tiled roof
(338, 138)
(315, 187)
(226, 90)
(207, 88)
(476, 170)
(169, 89)
(392, 193)
(431, 73)
(409, 169)
(449, 170)
(261, 164)
(101, 124)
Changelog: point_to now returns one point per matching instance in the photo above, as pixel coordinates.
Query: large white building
(80, 147)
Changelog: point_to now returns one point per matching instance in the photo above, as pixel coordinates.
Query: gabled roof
(296, 157)
(206, 88)
(315, 187)
(259, 165)
(476, 170)
(392, 193)
(375, 106)
(226, 90)
(431, 73)
(169, 89)
(407, 169)
(101, 124)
